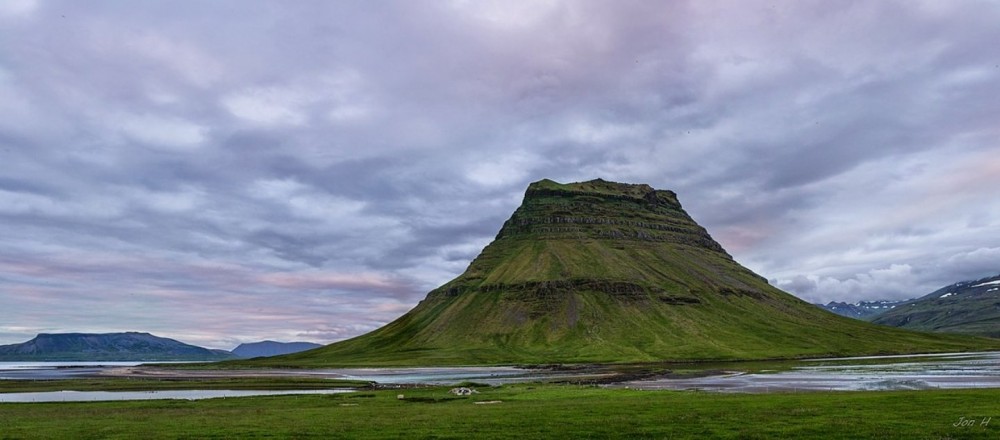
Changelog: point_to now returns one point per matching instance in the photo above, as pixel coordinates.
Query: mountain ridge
(271, 348)
(121, 346)
(968, 307)
(866, 310)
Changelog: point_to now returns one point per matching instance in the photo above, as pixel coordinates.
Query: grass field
(525, 411)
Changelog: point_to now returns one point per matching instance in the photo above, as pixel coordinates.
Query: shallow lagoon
(98, 396)
(945, 371)
(869, 373)
(938, 371)
(55, 370)
(453, 375)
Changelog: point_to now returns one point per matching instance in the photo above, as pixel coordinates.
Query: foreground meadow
(525, 411)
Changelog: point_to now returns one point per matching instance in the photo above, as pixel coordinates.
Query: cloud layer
(229, 171)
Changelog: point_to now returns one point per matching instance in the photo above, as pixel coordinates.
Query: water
(440, 376)
(870, 373)
(57, 370)
(385, 376)
(420, 375)
(945, 371)
(97, 396)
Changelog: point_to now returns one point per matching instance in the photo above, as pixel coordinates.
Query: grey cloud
(841, 150)
(972, 264)
(800, 285)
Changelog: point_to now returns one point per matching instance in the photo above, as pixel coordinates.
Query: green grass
(525, 411)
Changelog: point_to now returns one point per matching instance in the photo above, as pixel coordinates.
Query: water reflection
(97, 396)
(55, 370)
(951, 371)
(956, 370)
(61, 370)
(451, 375)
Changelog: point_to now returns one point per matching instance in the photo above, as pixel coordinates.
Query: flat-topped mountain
(130, 346)
(969, 307)
(609, 272)
(271, 348)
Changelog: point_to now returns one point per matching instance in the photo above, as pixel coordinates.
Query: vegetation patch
(528, 411)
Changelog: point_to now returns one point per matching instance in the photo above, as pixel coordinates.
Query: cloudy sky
(228, 171)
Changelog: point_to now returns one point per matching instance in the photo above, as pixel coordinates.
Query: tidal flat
(932, 371)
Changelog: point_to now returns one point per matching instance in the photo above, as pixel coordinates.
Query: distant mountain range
(129, 346)
(135, 347)
(969, 307)
(272, 348)
(860, 309)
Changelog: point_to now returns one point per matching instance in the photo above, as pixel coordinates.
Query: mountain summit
(609, 272)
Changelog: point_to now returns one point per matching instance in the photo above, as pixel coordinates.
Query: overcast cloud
(229, 171)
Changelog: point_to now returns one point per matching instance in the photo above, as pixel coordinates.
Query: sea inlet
(907, 372)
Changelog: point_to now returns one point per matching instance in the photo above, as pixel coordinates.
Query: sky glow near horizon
(231, 171)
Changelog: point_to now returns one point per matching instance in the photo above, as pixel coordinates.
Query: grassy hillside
(607, 272)
(969, 307)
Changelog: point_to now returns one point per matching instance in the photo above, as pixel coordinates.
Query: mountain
(860, 309)
(130, 346)
(271, 348)
(969, 307)
(608, 272)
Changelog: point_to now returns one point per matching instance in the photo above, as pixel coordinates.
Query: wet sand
(385, 376)
(954, 370)
(947, 371)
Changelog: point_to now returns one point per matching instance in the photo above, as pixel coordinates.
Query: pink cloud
(331, 281)
(736, 239)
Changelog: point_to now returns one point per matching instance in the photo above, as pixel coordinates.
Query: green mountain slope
(607, 272)
(969, 307)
